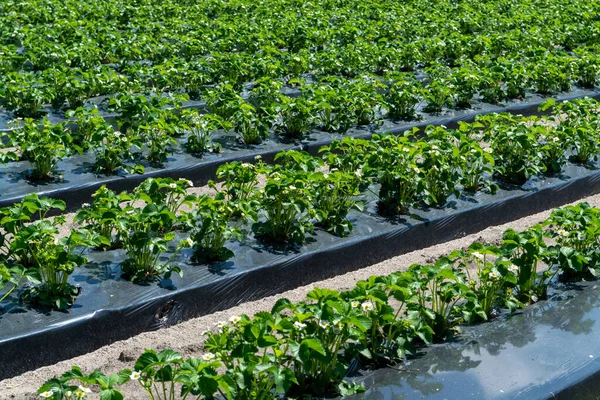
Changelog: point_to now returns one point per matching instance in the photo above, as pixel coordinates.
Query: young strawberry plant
(238, 183)
(24, 96)
(253, 354)
(167, 375)
(515, 147)
(54, 261)
(324, 326)
(285, 207)
(402, 97)
(393, 334)
(297, 117)
(490, 279)
(103, 216)
(13, 220)
(43, 145)
(146, 233)
(210, 229)
(333, 197)
(439, 290)
(158, 141)
(333, 106)
(247, 124)
(526, 250)
(395, 164)
(576, 230)
(165, 191)
(202, 128)
(438, 169)
(476, 164)
(364, 94)
(264, 97)
(74, 384)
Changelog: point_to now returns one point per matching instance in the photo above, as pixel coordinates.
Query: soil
(186, 338)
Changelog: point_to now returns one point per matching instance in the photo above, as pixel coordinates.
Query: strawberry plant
(210, 229)
(239, 182)
(42, 144)
(247, 124)
(333, 197)
(393, 334)
(166, 374)
(475, 163)
(324, 326)
(297, 117)
(24, 96)
(202, 128)
(515, 147)
(74, 384)
(364, 94)
(395, 166)
(437, 169)
(402, 97)
(165, 191)
(285, 207)
(576, 232)
(103, 216)
(490, 279)
(439, 290)
(142, 231)
(264, 98)
(526, 250)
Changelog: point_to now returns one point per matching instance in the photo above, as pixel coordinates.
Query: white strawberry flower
(299, 325)
(323, 324)
(85, 389)
(563, 233)
(221, 324)
(513, 268)
(355, 304)
(135, 375)
(208, 356)
(234, 319)
(367, 306)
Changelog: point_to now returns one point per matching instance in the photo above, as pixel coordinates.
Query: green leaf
(111, 394)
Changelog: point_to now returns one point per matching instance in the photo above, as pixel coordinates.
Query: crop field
(320, 125)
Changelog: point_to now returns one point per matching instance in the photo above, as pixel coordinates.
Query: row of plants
(312, 348)
(491, 80)
(172, 46)
(299, 193)
(54, 34)
(149, 130)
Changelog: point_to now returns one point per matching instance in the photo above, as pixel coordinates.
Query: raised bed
(79, 182)
(110, 309)
(548, 350)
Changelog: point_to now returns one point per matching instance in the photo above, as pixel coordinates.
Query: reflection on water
(533, 354)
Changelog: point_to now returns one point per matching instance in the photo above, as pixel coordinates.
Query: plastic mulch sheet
(548, 350)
